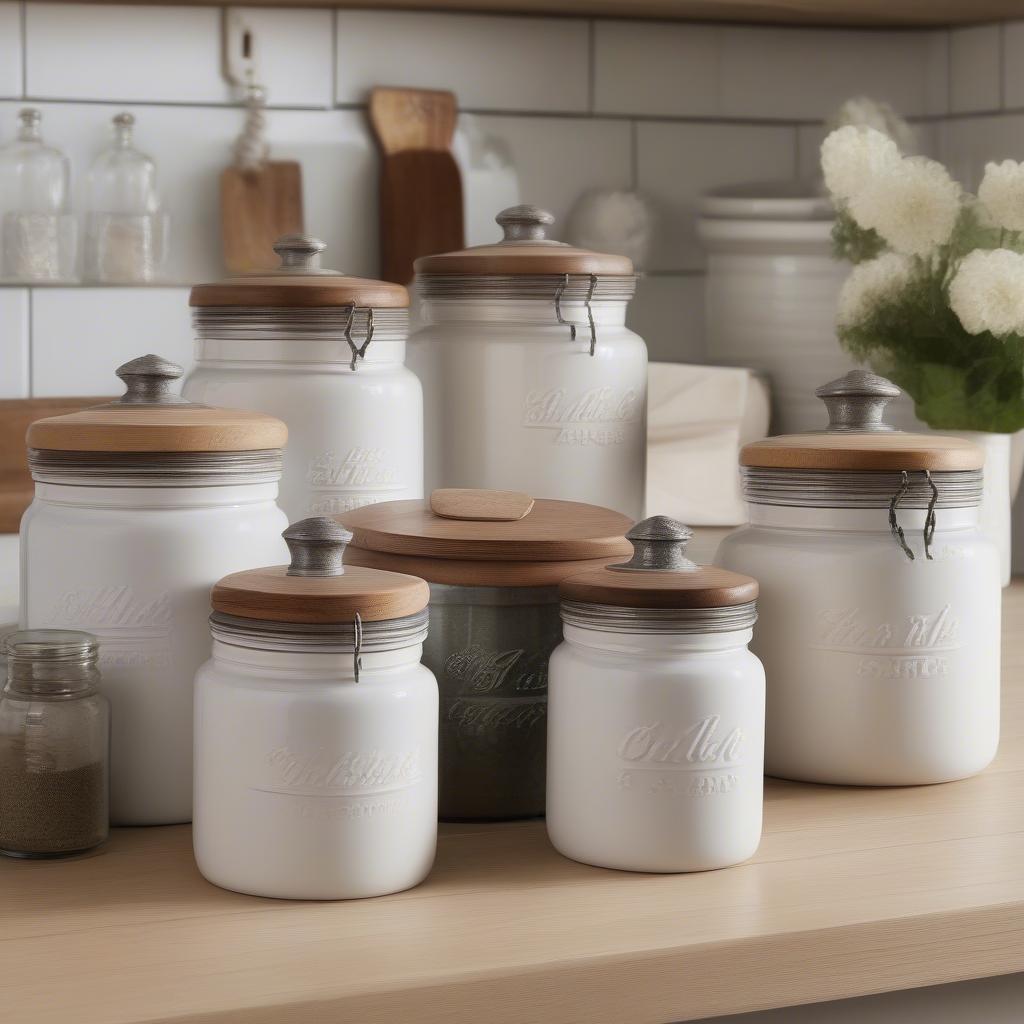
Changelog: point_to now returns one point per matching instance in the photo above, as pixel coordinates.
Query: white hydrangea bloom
(1002, 193)
(870, 113)
(913, 204)
(854, 156)
(870, 283)
(987, 292)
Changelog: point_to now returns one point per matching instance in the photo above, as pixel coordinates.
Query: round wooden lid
(525, 250)
(149, 418)
(857, 437)
(317, 587)
(300, 282)
(659, 575)
(487, 538)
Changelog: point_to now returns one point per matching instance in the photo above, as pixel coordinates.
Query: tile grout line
(334, 57)
(591, 68)
(23, 26)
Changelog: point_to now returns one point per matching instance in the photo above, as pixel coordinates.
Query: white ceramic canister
(531, 379)
(880, 597)
(316, 729)
(656, 712)
(324, 352)
(140, 506)
(493, 560)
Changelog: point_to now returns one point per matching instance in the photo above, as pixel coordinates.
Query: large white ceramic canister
(880, 597)
(493, 560)
(656, 712)
(531, 379)
(140, 506)
(324, 352)
(316, 729)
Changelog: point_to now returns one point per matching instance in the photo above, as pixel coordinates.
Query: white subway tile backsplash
(489, 62)
(965, 145)
(14, 343)
(668, 313)
(811, 137)
(1013, 64)
(974, 69)
(10, 50)
(171, 54)
(81, 335)
(654, 69)
(678, 162)
(804, 74)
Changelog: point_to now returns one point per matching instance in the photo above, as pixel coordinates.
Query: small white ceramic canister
(316, 729)
(324, 352)
(656, 713)
(532, 380)
(140, 506)
(880, 597)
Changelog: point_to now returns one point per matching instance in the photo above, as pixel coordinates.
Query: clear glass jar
(126, 229)
(54, 742)
(35, 197)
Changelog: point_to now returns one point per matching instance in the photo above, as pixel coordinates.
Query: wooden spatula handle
(404, 119)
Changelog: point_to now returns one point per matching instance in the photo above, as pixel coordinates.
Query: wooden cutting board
(420, 184)
(16, 414)
(258, 207)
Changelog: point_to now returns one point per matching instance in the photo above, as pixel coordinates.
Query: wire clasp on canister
(586, 305)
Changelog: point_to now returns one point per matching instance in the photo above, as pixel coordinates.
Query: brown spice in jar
(50, 811)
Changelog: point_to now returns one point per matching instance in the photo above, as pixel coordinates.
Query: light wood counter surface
(853, 891)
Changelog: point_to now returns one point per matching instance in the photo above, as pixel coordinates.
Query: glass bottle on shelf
(126, 227)
(54, 745)
(37, 228)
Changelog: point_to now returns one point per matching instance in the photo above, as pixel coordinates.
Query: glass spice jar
(54, 744)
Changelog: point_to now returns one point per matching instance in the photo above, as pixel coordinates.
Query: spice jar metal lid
(318, 587)
(301, 282)
(858, 438)
(525, 250)
(149, 418)
(472, 537)
(659, 575)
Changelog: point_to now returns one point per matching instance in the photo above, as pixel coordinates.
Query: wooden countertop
(853, 891)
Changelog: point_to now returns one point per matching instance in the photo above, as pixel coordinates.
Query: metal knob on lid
(857, 401)
(659, 545)
(148, 381)
(300, 254)
(526, 223)
(317, 547)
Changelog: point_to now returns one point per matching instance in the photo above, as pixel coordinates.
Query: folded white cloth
(698, 418)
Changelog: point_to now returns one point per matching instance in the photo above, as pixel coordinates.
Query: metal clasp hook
(357, 649)
(929, 518)
(358, 351)
(563, 284)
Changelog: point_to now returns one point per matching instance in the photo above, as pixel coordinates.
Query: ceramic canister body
(489, 648)
(134, 565)
(881, 670)
(512, 402)
(655, 749)
(309, 783)
(355, 436)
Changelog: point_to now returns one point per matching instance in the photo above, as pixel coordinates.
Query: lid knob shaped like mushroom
(317, 547)
(525, 223)
(857, 401)
(300, 254)
(148, 381)
(659, 545)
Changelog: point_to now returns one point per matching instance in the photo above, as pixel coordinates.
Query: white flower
(987, 293)
(869, 113)
(870, 284)
(853, 157)
(913, 204)
(1002, 192)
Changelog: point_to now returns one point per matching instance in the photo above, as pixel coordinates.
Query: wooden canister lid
(300, 282)
(659, 575)
(148, 417)
(487, 538)
(317, 587)
(858, 438)
(525, 250)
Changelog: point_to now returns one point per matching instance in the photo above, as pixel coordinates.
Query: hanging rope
(251, 147)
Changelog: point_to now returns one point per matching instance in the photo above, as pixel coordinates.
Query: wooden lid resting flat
(300, 282)
(536, 548)
(659, 575)
(857, 437)
(318, 588)
(525, 250)
(149, 418)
